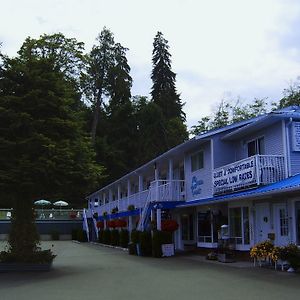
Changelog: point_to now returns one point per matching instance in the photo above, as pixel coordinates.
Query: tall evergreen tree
(171, 129)
(43, 152)
(121, 125)
(95, 81)
(164, 92)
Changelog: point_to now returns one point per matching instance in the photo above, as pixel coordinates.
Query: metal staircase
(145, 212)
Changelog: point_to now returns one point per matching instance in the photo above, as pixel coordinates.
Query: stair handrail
(144, 211)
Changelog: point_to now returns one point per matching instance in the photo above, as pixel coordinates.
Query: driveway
(84, 271)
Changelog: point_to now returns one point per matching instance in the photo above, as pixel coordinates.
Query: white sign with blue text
(296, 136)
(235, 176)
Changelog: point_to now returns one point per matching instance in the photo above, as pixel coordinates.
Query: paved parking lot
(83, 271)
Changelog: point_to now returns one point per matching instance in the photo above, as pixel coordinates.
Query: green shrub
(159, 238)
(82, 236)
(132, 249)
(146, 243)
(135, 238)
(101, 236)
(55, 235)
(79, 235)
(106, 236)
(124, 238)
(114, 237)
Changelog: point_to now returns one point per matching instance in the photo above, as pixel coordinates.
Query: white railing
(167, 190)
(160, 190)
(249, 172)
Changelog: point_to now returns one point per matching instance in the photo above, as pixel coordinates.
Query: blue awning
(291, 184)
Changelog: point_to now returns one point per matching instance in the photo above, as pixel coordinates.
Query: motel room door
(281, 224)
(262, 222)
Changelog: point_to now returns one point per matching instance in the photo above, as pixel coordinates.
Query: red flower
(100, 224)
(120, 223)
(169, 225)
(111, 224)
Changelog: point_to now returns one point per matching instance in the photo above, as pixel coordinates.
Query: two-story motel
(245, 175)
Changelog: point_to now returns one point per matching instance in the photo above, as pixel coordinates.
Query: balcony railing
(159, 190)
(249, 172)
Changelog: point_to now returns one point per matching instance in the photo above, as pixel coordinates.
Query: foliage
(145, 243)
(124, 238)
(114, 237)
(106, 236)
(100, 224)
(44, 149)
(262, 250)
(39, 257)
(228, 112)
(169, 225)
(291, 95)
(135, 236)
(115, 210)
(79, 235)
(163, 90)
(290, 253)
(131, 207)
(101, 236)
(159, 238)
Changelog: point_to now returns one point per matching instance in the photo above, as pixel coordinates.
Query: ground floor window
(187, 227)
(239, 224)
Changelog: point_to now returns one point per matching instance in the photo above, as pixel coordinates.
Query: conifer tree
(95, 81)
(164, 92)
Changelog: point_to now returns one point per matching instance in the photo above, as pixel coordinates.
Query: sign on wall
(235, 176)
(296, 136)
(196, 186)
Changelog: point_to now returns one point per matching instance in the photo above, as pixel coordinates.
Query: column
(158, 218)
(170, 177)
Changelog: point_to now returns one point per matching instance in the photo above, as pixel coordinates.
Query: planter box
(167, 250)
(24, 267)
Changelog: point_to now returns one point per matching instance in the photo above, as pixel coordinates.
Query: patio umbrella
(60, 203)
(42, 203)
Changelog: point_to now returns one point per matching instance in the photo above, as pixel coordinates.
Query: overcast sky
(219, 48)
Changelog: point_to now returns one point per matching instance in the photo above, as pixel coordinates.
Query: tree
(95, 81)
(121, 127)
(170, 130)
(291, 95)
(66, 54)
(44, 151)
(227, 113)
(163, 90)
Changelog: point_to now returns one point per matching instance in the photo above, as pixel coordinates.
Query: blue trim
(128, 213)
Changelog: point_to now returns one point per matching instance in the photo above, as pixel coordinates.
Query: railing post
(257, 168)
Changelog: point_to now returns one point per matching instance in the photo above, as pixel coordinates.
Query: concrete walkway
(83, 271)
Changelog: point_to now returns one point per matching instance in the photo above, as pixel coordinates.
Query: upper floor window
(256, 146)
(197, 161)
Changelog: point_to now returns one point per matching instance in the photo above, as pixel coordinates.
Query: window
(256, 146)
(239, 224)
(197, 161)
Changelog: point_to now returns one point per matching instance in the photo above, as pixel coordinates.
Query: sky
(220, 49)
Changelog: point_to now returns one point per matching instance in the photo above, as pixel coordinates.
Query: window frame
(198, 165)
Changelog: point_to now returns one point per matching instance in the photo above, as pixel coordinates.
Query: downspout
(288, 146)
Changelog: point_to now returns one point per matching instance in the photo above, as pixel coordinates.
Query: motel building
(245, 175)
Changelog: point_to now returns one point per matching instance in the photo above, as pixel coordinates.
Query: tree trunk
(23, 237)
